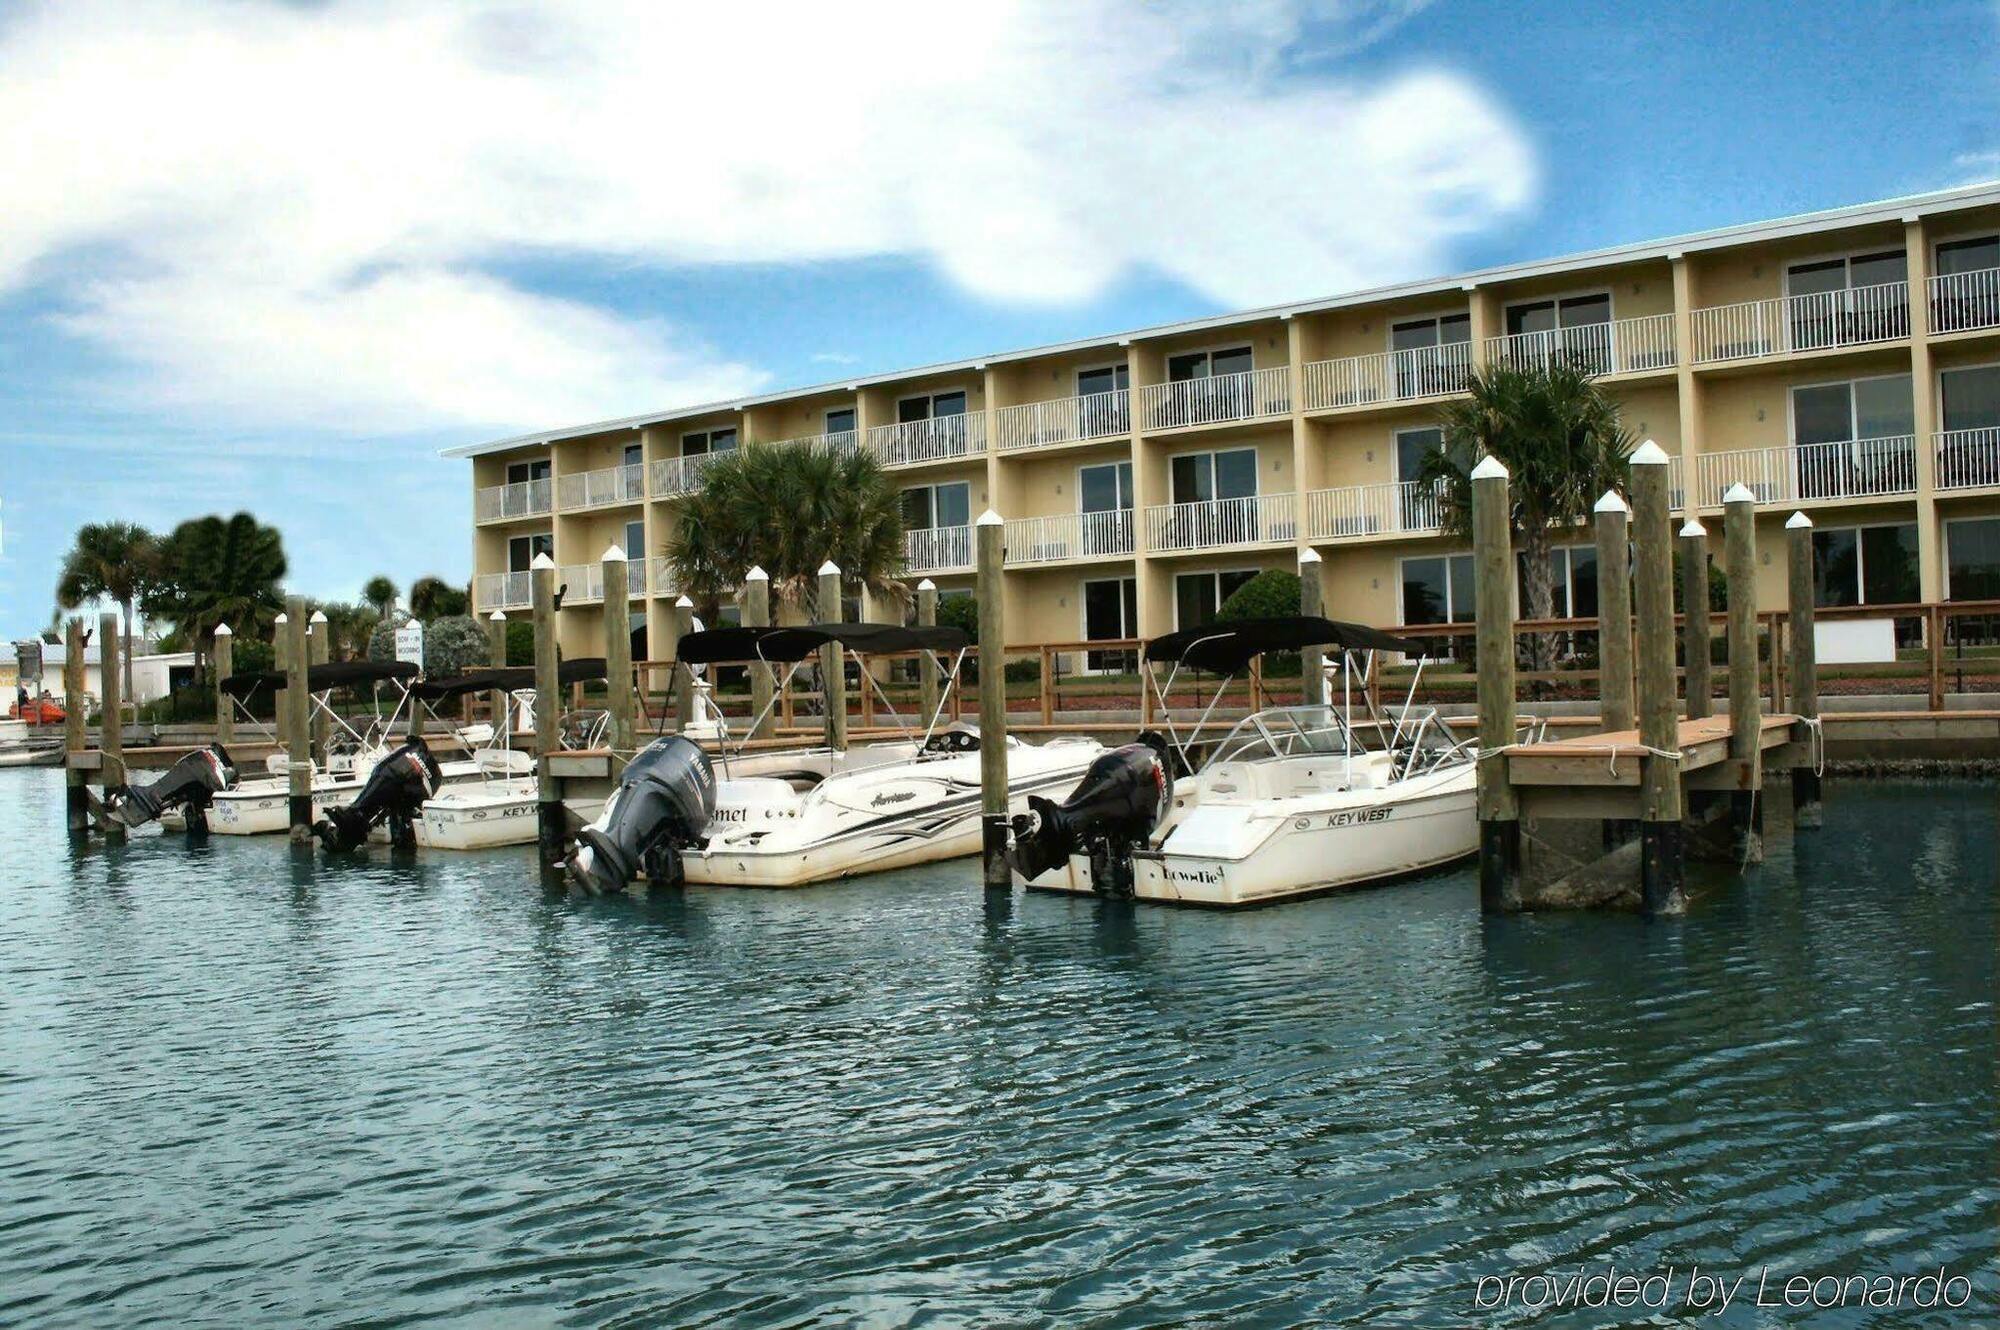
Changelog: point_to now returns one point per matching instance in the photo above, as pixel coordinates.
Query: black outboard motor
(662, 805)
(395, 793)
(191, 783)
(1116, 805)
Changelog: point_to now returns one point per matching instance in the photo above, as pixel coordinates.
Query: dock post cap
(612, 554)
(1611, 502)
(318, 616)
(1489, 468)
(541, 561)
(1648, 454)
(224, 630)
(283, 618)
(1309, 555)
(1693, 527)
(1798, 521)
(829, 567)
(683, 604)
(756, 574)
(927, 585)
(498, 616)
(989, 518)
(1739, 493)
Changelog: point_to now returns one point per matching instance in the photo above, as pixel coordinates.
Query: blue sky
(295, 249)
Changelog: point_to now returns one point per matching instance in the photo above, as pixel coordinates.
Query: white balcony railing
(596, 489)
(1627, 346)
(661, 575)
(1108, 534)
(838, 441)
(682, 475)
(1814, 322)
(1388, 376)
(580, 583)
(1066, 420)
(938, 549)
(523, 498)
(501, 591)
(1967, 458)
(1352, 511)
(938, 439)
(1255, 394)
(1861, 468)
(1260, 519)
(1961, 301)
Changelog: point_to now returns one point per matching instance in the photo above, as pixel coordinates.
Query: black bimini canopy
(507, 679)
(796, 643)
(1226, 648)
(321, 678)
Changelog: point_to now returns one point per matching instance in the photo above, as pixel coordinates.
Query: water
(238, 1088)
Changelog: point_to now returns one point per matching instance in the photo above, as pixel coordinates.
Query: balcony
(504, 503)
(938, 549)
(1352, 512)
(938, 439)
(1963, 301)
(1967, 458)
(674, 476)
(1388, 377)
(839, 441)
(1860, 469)
(601, 489)
(1254, 394)
(1067, 420)
(1260, 519)
(501, 591)
(661, 575)
(1822, 321)
(1065, 536)
(1626, 346)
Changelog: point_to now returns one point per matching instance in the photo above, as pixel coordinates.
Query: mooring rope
(1817, 727)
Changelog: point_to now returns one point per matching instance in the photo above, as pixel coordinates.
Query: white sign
(1854, 641)
(410, 642)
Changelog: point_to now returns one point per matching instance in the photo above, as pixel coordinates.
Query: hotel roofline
(1860, 214)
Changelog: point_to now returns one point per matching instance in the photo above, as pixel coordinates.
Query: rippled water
(238, 1088)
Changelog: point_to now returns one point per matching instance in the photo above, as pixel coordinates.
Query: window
(1969, 412)
(1438, 589)
(521, 550)
(1110, 611)
(1846, 300)
(635, 540)
(1197, 596)
(1577, 328)
(1200, 477)
(1208, 364)
(1431, 355)
(635, 455)
(1972, 559)
(708, 441)
(932, 406)
(1104, 379)
(1547, 316)
(1104, 497)
(1981, 254)
(1412, 445)
(1572, 583)
(1854, 438)
(1869, 565)
(840, 420)
(1100, 412)
(520, 473)
(929, 506)
(1967, 294)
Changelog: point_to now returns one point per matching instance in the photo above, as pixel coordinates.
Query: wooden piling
(496, 656)
(319, 650)
(1614, 612)
(618, 700)
(1493, 582)
(1804, 668)
(1661, 852)
(298, 715)
(683, 676)
(1746, 711)
(1312, 660)
(927, 673)
(989, 555)
(757, 614)
(549, 831)
(224, 658)
(1695, 649)
(111, 723)
(76, 795)
(832, 666)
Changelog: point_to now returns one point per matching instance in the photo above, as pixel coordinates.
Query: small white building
(154, 673)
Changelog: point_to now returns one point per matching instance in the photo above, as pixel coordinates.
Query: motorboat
(187, 790)
(796, 817)
(1293, 801)
(20, 748)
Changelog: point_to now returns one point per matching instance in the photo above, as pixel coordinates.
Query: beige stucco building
(1843, 362)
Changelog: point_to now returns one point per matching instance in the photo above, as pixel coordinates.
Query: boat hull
(31, 756)
(488, 821)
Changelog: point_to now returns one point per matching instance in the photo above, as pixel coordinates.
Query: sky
(273, 256)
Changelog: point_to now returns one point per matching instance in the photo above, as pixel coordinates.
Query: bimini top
(798, 642)
(320, 678)
(507, 679)
(1227, 647)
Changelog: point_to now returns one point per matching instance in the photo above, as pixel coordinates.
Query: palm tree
(215, 571)
(113, 561)
(379, 592)
(788, 510)
(1563, 444)
(434, 598)
(349, 625)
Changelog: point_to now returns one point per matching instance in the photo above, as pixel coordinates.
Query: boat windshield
(1287, 732)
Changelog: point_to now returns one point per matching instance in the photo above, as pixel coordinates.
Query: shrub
(454, 645)
(1271, 594)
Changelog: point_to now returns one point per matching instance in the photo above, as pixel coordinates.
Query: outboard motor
(191, 783)
(395, 794)
(1121, 798)
(661, 806)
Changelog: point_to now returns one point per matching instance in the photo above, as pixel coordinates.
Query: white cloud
(293, 214)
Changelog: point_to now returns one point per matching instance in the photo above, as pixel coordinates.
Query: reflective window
(1972, 558)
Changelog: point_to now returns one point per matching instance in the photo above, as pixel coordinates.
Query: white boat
(1295, 800)
(19, 748)
(795, 818)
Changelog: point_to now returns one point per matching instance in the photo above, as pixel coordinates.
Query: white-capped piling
(682, 674)
(496, 656)
(1661, 851)
(1493, 584)
(1746, 713)
(223, 659)
(111, 725)
(549, 829)
(319, 650)
(832, 668)
(76, 792)
(757, 614)
(616, 571)
(927, 675)
(989, 556)
(1695, 650)
(1614, 611)
(298, 715)
(1804, 668)
(1312, 603)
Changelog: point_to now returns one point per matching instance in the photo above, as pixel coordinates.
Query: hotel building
(1846, 363)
